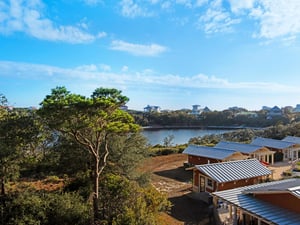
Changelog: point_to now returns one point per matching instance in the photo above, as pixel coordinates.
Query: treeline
(75, 160)
(278, 132)
(245, 135)
(184, 118)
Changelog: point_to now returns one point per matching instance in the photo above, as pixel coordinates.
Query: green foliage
(110, 93)
(124, 202)
(90, 122)
(126, 153)
(161, 150)
(183, 118)
(20, 135)
(65, 157)
(48, 209)
(80, 183)
(168, 140)
(67, 208)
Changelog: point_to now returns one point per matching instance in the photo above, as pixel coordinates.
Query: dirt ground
(170, 177)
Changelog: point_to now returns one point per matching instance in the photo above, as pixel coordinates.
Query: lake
(181, 136)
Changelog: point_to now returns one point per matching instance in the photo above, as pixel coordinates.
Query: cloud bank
(104, 74)
(27, 16)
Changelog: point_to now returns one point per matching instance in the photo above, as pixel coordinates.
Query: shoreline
(197, 127)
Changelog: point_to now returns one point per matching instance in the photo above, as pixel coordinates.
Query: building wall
(238, 183)
(197, 160)
(285, 200)
(223, 186)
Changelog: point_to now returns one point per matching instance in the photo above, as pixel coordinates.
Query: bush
(123, 202)
(35, 208)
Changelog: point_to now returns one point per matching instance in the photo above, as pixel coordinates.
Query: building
(285, 150)
(274, 112)
(297, 108)
(252, 151)
(152, 108)
(206, 109)
(227, 175)
(274, 202)
(198, 155)
(196, 110)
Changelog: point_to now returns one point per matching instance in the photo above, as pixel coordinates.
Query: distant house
(274, 112)
(297, 109)
(285, 150)
(198, 155)
(228, 175)
(196, 110)
(124, 107)
(206, 109)
(152, 108)
(253, 151)
(271, 203)
(266, 108)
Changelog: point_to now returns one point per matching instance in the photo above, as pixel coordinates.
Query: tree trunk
(2, 186)
(96, 190)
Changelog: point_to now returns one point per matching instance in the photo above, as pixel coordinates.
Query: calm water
(181, 136)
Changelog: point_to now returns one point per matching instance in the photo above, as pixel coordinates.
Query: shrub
(35, 208)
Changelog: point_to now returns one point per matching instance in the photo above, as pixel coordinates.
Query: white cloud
(166, 5)
(102, 34)
(105, 67)
(131, 9)
(87, 68)
(274, 19)
(277, 20)
(104, 75)
(239, 5)
(138, 49)
(186, 3)
(200, 3)
(93, 2)
(27, 16)
(124, 69)
(216, 20)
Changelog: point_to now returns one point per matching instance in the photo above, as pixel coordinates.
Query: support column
(215, 201)
(258, 222)
(235, 216)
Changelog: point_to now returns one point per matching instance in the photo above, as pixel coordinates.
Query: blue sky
(170, 53)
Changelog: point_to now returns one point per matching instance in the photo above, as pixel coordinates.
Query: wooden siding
(197, 160)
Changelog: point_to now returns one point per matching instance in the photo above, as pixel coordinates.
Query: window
(209, 183)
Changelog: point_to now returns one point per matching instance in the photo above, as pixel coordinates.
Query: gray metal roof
(273, 143)
(208, 152)
(264, 210)
(292, 139)
(234, 170)
(241, 147)
(292, 186)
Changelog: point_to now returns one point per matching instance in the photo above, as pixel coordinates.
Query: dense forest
(77, 160)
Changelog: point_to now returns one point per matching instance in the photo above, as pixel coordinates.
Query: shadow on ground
(179, 174)
(190, 211)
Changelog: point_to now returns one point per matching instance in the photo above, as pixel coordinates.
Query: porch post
(258, 221)
(230, 212)
(235, 216)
